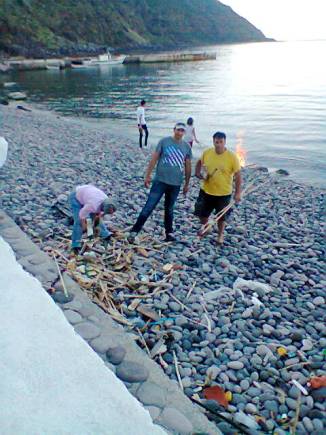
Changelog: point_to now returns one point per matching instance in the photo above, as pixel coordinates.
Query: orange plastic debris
(317, 382)
(216, 393)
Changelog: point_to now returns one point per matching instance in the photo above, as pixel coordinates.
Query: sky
(284, 19)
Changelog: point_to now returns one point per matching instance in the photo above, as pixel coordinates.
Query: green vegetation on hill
(45, 27)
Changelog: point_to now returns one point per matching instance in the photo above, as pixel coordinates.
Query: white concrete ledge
(51, 381)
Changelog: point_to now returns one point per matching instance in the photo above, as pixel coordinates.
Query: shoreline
(274, 237)
(126, 129)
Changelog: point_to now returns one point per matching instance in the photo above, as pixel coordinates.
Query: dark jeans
(159, 189)
(144, 129)
(77, 231)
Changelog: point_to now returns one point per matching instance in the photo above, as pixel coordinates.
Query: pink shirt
(91, 198)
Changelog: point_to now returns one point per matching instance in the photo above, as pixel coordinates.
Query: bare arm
(198, 169)
(195, 137)
(238, 182)
(187, 175)
(150, 168)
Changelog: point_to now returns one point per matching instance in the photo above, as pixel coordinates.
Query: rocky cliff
(47, 27)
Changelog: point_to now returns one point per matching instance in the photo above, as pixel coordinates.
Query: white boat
(53, 67)
(108, 59)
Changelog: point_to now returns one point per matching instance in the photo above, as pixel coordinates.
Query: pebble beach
(248, 316)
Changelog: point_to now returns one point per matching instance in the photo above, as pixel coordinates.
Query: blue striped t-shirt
(170, 167)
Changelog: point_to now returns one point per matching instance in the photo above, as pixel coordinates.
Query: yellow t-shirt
(221, 168)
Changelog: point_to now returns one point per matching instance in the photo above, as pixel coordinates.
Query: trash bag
(3, 151)
(239, 283)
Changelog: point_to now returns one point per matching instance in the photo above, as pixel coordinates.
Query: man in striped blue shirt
(172, 159)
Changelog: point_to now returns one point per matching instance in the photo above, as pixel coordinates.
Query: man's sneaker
(76, 250)
(170, 238)
(133, 237)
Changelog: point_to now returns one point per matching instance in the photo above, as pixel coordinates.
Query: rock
(236, 365)
(319, 301)
(174, 306)
(306, 345)
(308, 424)
(244, 384)
(319, 394)
(102, 343)
(181, 320)
(206, 267)
(294, 392)
(212, 372)
(154, 412)
(296, 336)
(246, 420)
(61, 298)
(271, 405)
(282, 172)
(172, 419)
(263, 350)
(251, 408)
(186, 382)
(116, 354)
(291, 403)
(151, 394)
(72, 316)
(268, 329)
(130, 371)
(87, 330)
(276, 277)
(318, 425)
(247, 313)
(291, 361)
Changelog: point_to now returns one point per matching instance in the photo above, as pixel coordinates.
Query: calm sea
(270, 97)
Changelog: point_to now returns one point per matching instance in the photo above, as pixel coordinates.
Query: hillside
(47, 27)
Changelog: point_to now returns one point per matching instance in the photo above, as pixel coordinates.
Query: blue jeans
(159, 189)
(77, 230)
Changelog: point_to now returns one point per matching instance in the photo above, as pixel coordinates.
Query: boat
(55, 64)
(108, 59)
(81, 63)
(17, 96)
(53, 67)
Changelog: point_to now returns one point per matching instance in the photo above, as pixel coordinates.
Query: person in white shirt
(141, 121)
(190, 134)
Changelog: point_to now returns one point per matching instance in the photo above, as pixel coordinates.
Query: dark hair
(190, 121)
(142, 102)
(219, 135)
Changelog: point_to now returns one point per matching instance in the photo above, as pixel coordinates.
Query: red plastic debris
(216, 393)
(317, 382)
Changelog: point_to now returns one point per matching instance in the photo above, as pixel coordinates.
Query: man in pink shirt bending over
(89, 201)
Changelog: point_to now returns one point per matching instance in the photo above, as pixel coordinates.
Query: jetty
(22, 64)
(175, 56)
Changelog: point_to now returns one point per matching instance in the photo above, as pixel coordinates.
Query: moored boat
(108, 59)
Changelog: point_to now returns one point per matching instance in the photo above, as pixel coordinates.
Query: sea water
(268, 97)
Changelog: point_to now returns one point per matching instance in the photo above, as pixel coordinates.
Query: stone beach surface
(227, 331)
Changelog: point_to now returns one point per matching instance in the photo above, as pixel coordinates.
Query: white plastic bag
(239, 283)
(3, 151)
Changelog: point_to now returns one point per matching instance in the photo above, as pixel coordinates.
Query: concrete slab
(51, 381)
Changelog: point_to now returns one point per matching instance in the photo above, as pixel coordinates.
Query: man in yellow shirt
(220, 166)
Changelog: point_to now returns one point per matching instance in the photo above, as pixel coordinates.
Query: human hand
(185, 189)
(147, 182)
(237, 197)
(84, 225)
